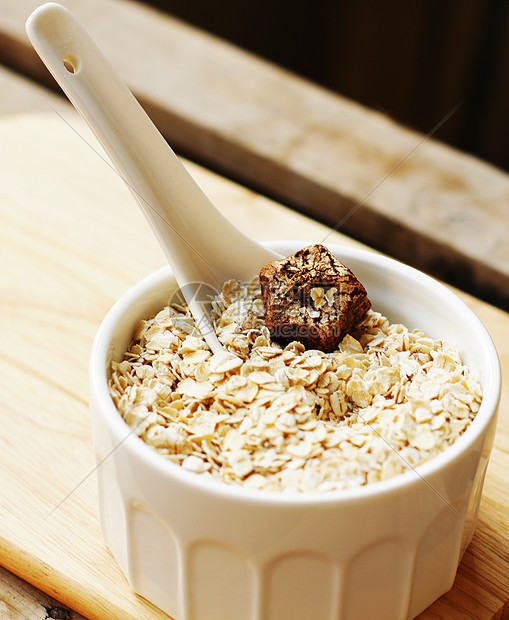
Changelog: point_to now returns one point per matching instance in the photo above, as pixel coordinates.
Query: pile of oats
(287, 419)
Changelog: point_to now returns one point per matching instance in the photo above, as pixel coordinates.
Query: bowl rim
(125, 436)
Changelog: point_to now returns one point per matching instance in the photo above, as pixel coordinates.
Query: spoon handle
(201, 244)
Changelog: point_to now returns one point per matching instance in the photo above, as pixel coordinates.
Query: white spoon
(202, 246)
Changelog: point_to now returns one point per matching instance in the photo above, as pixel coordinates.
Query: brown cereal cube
(313, 298)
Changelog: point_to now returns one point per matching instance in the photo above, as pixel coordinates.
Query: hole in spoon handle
(71, 63)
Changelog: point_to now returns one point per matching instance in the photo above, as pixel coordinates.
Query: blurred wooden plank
(411, 59)
(352, 168)
(21, 95)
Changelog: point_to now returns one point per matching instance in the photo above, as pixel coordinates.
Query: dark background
(414, 60)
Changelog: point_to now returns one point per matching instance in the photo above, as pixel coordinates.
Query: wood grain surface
(21, 601)
(343, 164)
(71, 242)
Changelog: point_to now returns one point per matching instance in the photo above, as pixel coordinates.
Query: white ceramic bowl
(201, 549)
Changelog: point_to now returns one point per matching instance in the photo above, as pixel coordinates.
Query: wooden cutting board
(72, 241)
